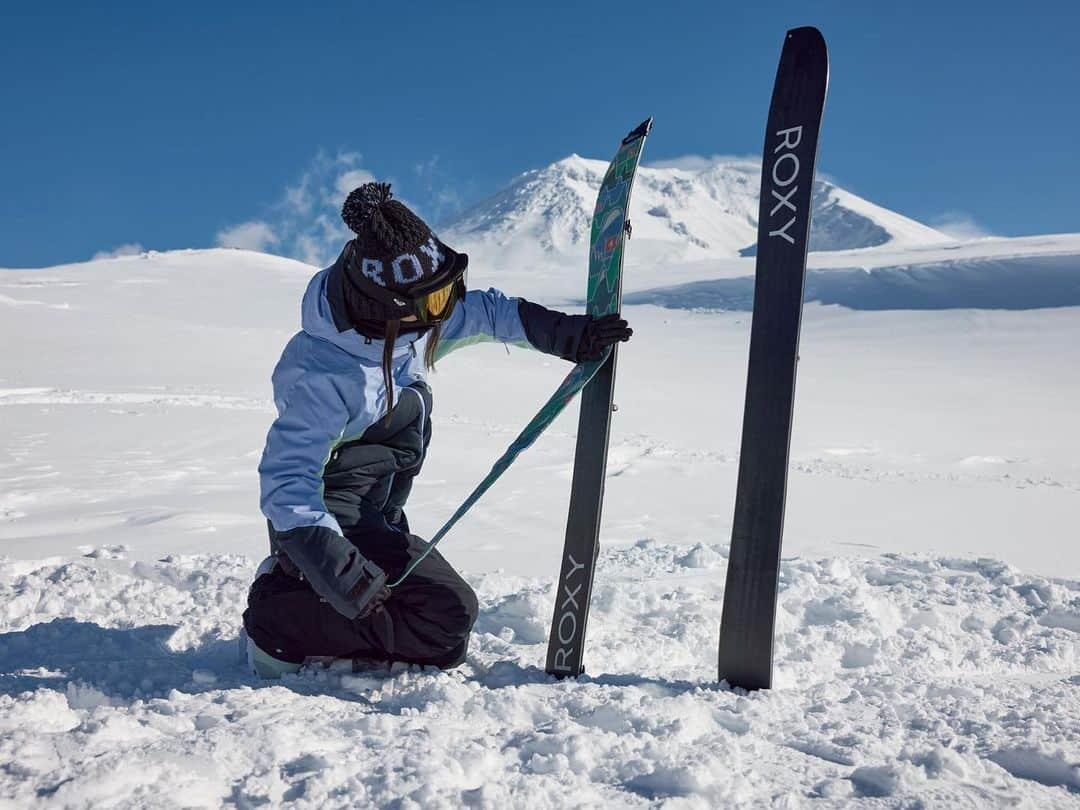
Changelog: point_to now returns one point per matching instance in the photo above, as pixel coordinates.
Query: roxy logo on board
(785, 177)
(566, 625)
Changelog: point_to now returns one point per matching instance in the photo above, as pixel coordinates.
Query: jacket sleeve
(485, 316)
(551, 331)
(310, 422)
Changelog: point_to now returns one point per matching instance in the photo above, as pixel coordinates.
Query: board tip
(807, 39)
(640, 131)
(807, 32)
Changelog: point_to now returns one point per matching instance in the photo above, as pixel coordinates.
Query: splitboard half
(787, 178)
(610, 227)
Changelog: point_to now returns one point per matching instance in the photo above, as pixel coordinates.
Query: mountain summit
(685, 214)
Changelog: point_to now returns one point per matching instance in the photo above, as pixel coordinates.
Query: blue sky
(161, 124)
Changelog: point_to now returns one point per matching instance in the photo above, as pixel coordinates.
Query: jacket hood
(320, 319)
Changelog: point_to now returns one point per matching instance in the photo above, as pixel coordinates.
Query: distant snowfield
(929, 624)
(991, 273)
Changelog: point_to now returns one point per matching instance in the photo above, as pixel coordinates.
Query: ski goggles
(437, 305)
(434, 303)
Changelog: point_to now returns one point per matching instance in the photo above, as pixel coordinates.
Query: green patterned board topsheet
(605, 267)
(608, 230)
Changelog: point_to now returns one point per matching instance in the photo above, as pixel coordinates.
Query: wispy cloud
(305, 223)
(960, 225)
(129, 249)
(252, 235)
(443, 197)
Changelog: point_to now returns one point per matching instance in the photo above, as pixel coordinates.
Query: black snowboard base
(787, 179)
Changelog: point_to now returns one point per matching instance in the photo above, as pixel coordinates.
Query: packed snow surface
(928, 637)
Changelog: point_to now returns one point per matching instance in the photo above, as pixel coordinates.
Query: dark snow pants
(426, 620)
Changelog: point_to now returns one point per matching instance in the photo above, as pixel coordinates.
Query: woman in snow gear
(353, 427)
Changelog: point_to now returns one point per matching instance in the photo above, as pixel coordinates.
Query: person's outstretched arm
(490, 315)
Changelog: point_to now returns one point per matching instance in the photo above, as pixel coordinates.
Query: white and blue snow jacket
(329, 390)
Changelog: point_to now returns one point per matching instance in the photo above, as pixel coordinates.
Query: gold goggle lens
(435, 302)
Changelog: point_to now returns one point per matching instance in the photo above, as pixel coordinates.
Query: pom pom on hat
(362, 203)
(375, 217)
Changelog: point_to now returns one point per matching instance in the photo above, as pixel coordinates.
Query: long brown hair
(389, 339)
(432, 347)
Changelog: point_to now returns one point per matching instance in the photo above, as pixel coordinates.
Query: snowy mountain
(678, 214)
(693, 245)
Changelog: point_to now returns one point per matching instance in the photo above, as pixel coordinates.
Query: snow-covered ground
(928, 644)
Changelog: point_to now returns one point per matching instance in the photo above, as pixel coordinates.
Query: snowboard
(610, 228)
(604, 293)
(787, 178)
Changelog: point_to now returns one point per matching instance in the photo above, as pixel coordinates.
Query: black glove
(336, 570)
(374, 604)
(599, 334)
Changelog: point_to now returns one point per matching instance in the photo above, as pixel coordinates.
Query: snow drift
(937, 680)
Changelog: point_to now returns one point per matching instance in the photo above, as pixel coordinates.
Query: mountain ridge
(687, 214)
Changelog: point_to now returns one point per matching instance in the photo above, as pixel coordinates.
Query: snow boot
(259, 662)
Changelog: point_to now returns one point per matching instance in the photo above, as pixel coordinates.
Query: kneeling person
(352, 431)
